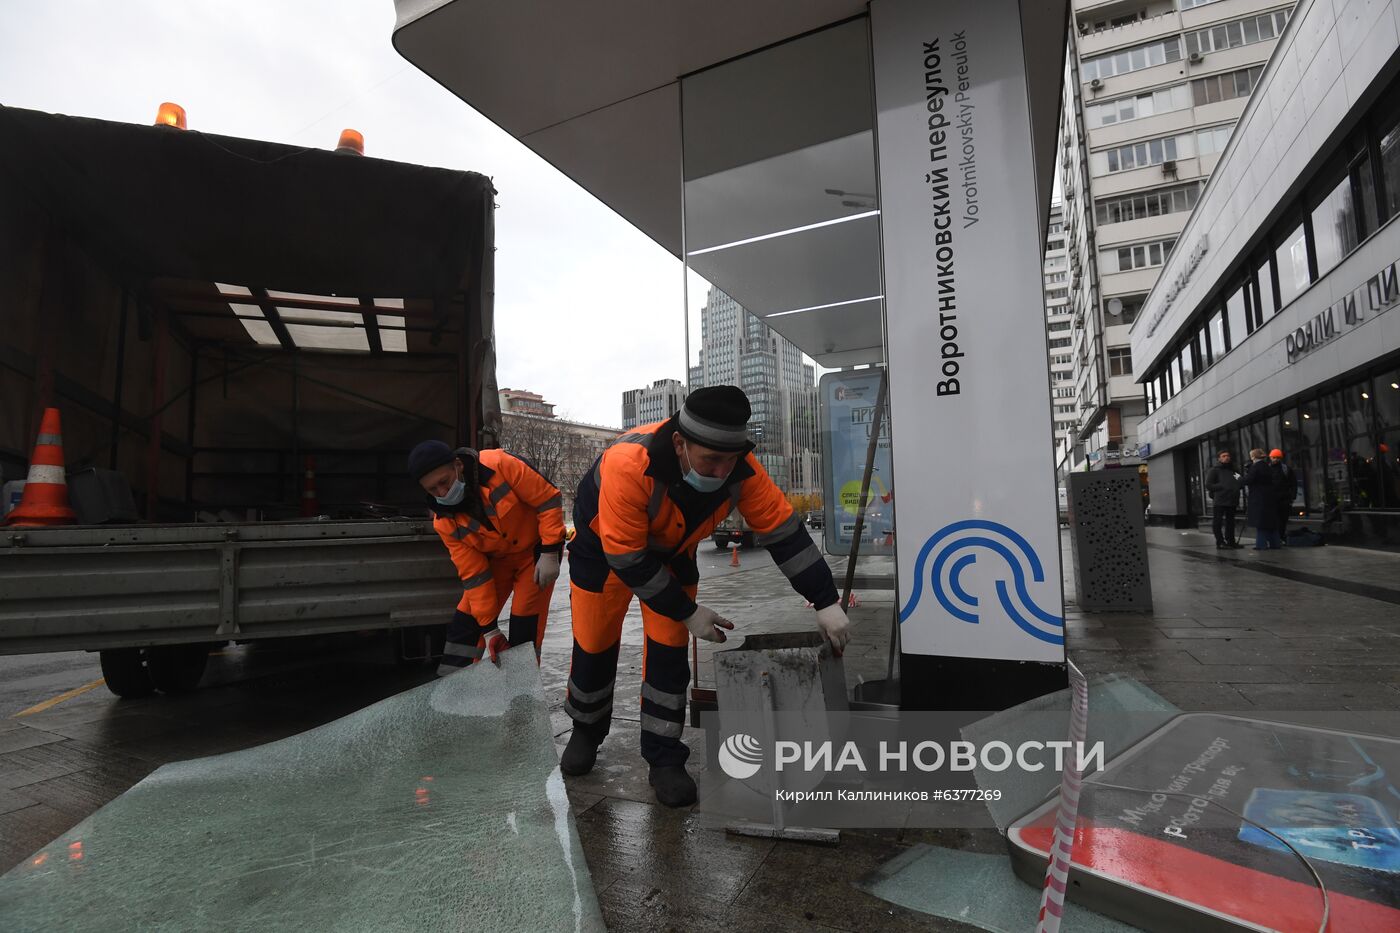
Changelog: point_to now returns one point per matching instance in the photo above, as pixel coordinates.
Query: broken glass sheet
(442, 808)
(1121, 711)
(973, 888)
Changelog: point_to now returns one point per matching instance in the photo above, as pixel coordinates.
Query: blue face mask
(698, 482)
(454, 495)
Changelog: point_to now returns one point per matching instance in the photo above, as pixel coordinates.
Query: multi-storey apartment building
(1059, 315)
(1153, 90)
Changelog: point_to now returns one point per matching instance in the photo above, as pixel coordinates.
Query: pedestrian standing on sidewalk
(1262, 510)
(1286, 485)
(1223, 484)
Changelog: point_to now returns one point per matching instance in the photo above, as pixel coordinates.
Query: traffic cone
(734, 557)
(45, 500)
(853, 601)
(309, 506)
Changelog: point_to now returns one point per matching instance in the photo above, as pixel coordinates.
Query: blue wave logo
(956, 547)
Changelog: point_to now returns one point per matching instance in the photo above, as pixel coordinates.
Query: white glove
(835, 627)
(707, 624)
(546, 570)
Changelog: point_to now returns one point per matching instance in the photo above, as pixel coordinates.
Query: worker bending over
(640, 513)
(503, 524)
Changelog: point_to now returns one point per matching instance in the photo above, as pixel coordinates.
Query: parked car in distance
(816, 519)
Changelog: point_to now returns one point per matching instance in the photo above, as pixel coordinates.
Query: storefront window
(1361, 467)
(1258, 437)
(1334, 227)
(1387, 399)
(1311, 422)
(1272, 439)
(1357, 405)
(1188, 369)
(1314, 478)
(1388, 468)
(1291, 257)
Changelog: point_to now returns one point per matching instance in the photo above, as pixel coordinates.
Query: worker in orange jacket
(639, 516)
(503, 525)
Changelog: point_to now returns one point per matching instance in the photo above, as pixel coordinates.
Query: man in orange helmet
(503, 525)
(640, 513)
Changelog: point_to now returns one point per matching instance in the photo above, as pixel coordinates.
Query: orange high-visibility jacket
(636, 516)
(519, 510)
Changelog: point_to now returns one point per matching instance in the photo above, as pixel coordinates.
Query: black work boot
(579, 754)
(673, 785)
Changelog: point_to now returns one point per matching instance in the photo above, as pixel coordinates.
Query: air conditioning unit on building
(1196, 58)
(1096, 84)
(1169, 168)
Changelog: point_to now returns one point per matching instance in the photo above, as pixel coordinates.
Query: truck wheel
(124, 669)
(177, 668)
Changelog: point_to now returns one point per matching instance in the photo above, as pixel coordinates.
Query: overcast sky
(586, 306)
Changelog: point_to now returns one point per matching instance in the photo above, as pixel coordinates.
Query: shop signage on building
(1179, 282)
(1379, 294)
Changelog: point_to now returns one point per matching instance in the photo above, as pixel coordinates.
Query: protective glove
(835, 627)
(546, 570)
(707, 624)
(495, 643)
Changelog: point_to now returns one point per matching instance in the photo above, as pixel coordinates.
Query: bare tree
(556, 448)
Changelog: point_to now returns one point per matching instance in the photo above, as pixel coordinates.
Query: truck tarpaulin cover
(255, 303)
(164, 203)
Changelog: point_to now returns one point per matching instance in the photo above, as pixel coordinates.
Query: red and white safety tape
(1052, 896)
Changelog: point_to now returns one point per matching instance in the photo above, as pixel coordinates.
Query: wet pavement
(1311, 629)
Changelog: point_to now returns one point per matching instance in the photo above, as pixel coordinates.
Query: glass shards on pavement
(439, 809)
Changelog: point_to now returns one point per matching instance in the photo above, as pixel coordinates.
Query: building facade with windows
(524, 402)
(1059, 315)
(1274, 323)
(656, 402)
(1153, 91)
(736, 348)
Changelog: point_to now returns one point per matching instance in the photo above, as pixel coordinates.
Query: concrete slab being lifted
(441, 808)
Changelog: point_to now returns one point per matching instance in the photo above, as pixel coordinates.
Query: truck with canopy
(244, 339)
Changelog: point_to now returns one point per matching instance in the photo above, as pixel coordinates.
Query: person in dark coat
(1223, 485)
(1286, 487)
(1263, 501)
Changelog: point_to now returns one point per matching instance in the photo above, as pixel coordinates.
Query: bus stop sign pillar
(980, 595)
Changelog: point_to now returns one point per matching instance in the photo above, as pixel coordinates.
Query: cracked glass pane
(439, 809)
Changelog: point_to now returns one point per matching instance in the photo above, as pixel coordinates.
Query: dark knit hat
(717, 417)
(427, 457)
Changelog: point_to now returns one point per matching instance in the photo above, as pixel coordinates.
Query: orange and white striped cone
(45, 500)
(309, 505)
(734, 557)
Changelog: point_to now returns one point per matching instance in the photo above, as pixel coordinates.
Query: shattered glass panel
(1121, 711)
(970, 887)
(442, 808)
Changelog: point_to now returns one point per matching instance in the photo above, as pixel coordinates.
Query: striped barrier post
(1052, 895)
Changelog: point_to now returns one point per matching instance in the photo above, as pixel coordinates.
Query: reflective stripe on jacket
(519, 510)
(636, 516)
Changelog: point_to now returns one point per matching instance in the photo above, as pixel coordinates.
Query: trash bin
(1108, 542)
